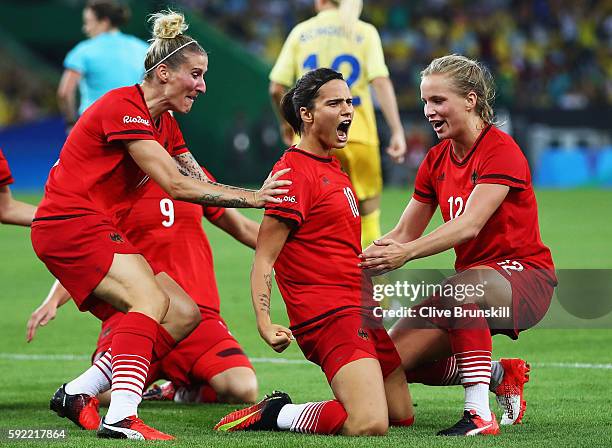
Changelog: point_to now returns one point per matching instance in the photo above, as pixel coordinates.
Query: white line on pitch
(73, 357)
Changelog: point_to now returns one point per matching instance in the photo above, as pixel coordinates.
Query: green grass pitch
(567, 406)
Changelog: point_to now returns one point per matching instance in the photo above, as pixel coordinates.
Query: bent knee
(186, 316)
(238, 391)
(155, 308)
(366, 427)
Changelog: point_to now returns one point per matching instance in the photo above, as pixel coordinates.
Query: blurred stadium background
(552, 61)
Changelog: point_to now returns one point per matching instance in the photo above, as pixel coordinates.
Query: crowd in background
(24, 96)
(543, 53)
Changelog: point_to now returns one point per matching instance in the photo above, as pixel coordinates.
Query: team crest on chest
(116, 238)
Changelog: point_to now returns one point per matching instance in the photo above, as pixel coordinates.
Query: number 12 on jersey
(458, 205)
(312, 63)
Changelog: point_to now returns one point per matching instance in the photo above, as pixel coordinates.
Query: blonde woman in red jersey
(208, 365)
(124, 138)
(312, 239)
(480, 179)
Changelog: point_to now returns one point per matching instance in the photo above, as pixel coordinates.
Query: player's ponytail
(288, 111)
(169, 43)
(467, 75)
(350, 10)
(303, 94)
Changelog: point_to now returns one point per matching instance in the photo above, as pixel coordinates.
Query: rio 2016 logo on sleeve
(138, 119)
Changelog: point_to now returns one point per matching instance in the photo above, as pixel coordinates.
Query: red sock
(207, 394)
(323, 417)
(131, 348)
(164, 343)
(471, 345)
(442, 372)
(406, 422)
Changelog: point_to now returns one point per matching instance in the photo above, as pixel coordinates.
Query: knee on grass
(365, 426)
(237, 390)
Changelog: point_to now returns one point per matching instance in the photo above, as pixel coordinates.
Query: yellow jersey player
(337, 39)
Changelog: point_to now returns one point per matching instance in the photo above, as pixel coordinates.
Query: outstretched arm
(239, 226)
(188, 166)
(13, 211)
(271, 239)
(482, 203)
(388, 104)
(47, 310)
(153, 159)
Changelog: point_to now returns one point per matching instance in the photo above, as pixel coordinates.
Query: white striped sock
(94, 380)
(129, 377)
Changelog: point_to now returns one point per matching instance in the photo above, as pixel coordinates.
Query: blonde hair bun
(168, 24)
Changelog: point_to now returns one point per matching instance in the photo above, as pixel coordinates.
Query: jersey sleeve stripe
(502, 176)
(288, 213)
(6, 180)
(178, 148)
(130, 132)
(424, 195)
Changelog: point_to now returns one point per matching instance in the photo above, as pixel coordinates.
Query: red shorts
(532, 291)
(347, 336)
(79, 252)
(210, 345)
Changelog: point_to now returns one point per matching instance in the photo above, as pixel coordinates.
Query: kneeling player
(480, 179)
(209, 364)
(312, 240)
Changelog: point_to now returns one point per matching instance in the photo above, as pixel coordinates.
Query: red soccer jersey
(169, 235)
(512, 232)
(316, 271)
(95, 173)
(6, 178)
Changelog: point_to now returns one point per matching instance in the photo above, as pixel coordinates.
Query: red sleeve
(6, 178)
(211, 212)
(423, 185)
(178, 142)
(126, 120)
(504, 164)
(297, 201)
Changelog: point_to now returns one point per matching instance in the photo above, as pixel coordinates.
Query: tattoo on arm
(264, 298)
(268, 280)
(220, 201)
(264, 303)
(188, 166)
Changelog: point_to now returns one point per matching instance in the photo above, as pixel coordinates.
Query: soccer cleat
(509, 393)
(130, 428)
(82, 409)
(259, 417)
(164, 392)
(472, 424)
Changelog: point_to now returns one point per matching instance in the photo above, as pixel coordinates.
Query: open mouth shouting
(191, 98)
(437, 125)
(342, 130)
